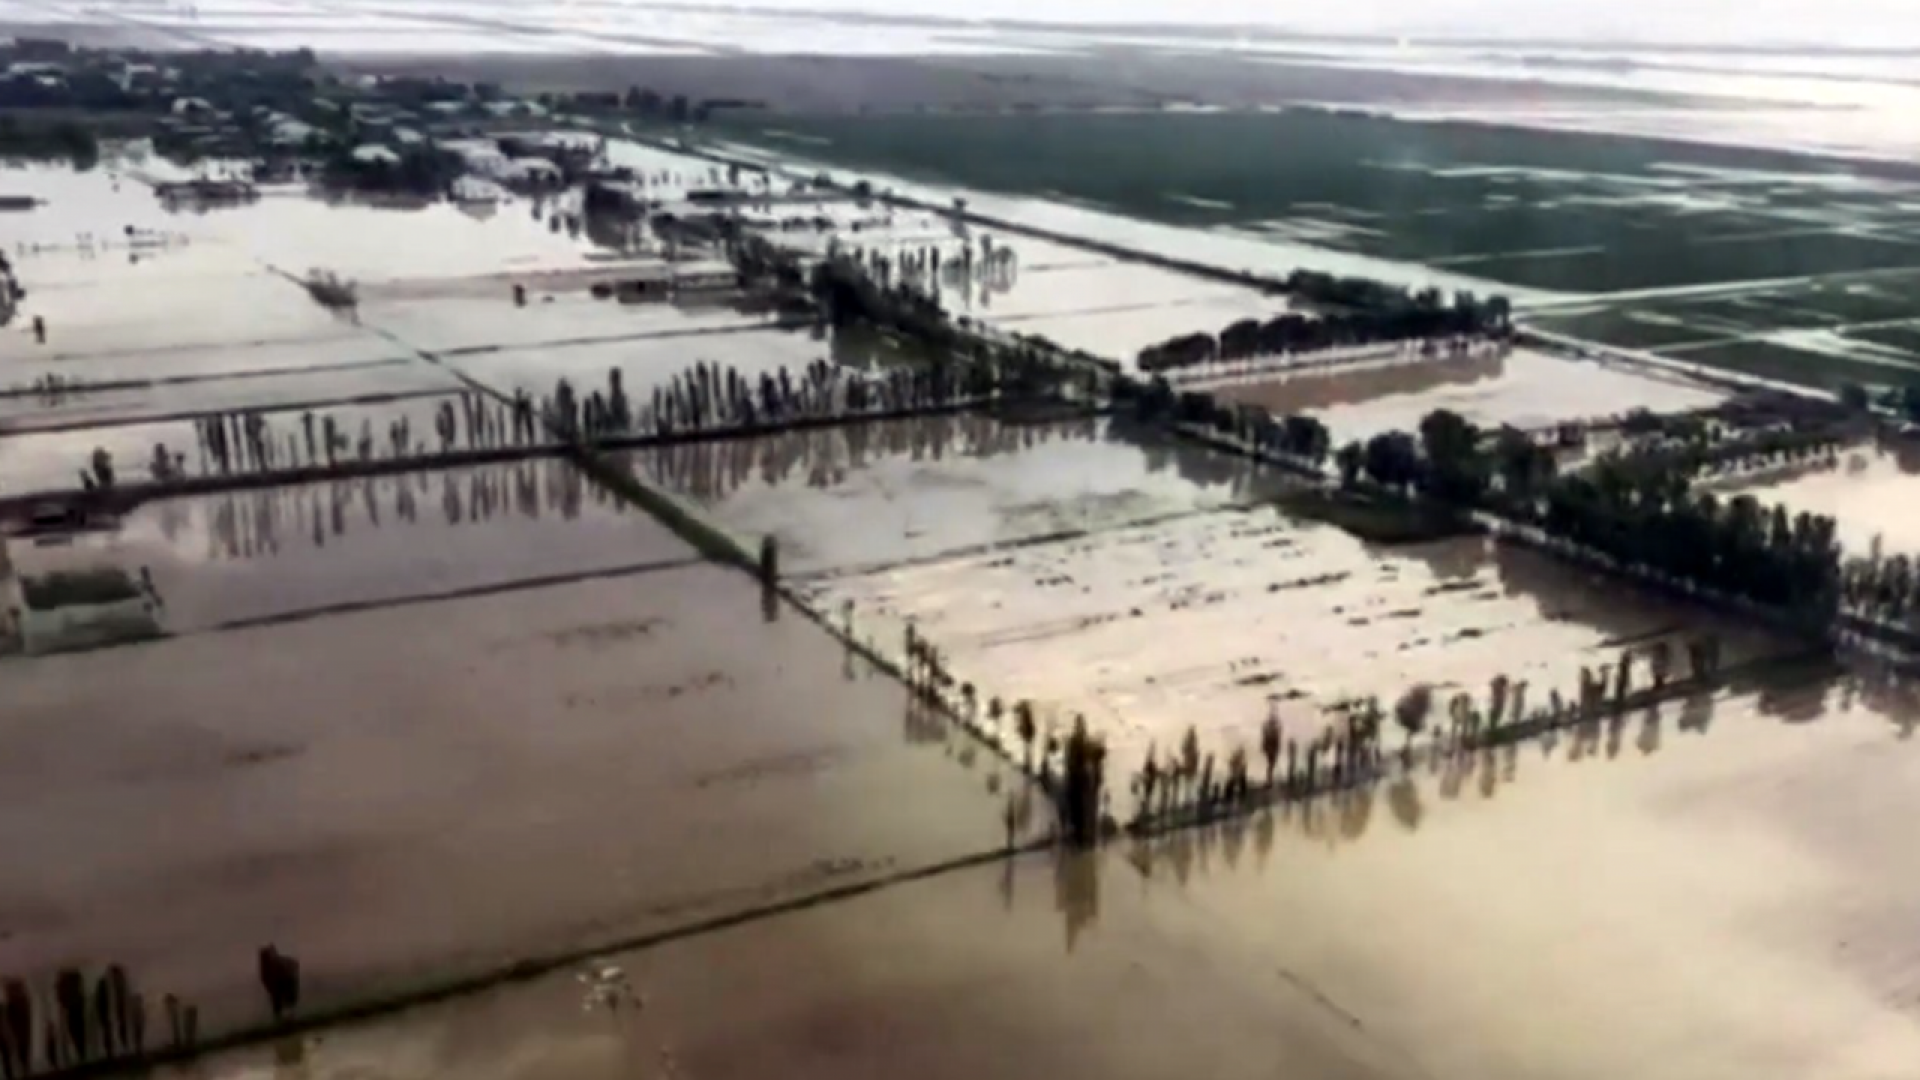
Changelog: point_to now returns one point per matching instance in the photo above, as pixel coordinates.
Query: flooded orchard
(1866, 492)
(1219, 620)
(576, 764)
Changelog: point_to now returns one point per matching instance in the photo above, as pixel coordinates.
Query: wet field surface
(1384, 934)
(923, 488)
(406, 795)
(1870, 493)
(281, 552)
(1525, 388)
(1219, 620)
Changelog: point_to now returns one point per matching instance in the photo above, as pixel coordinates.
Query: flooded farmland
(576, 764)
(1708, 898)
(273, 553)
(1525, 388)
(948, 978)
(1866, 494)
(472, 721)
(923, 488)
(1218, 620)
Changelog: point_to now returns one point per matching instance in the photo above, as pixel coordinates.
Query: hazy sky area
(1868, 23)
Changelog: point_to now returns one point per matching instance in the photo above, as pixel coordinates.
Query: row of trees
(89, 1021)
(1078, 785)
(1350, 749)
(1372, 315)
(62, 140)
(1636, 509)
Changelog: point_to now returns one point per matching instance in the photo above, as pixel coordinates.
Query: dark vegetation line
(203, 414)
(972, 550)
(1192, 791)
(121, 496)
(607, 339)
(464, 593)
(55, 389)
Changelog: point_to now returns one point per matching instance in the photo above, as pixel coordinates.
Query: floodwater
(270, 553)
(469, 324)
(1707, 899)
(347, 346)
(1043, 966)
(1078, 298)
(877, 494)
(1866, 495)
(643, 363)
(50, 460)
(1705, 894)
(274, 390)
(403, 796)
(1216, 619)
(1526, 388)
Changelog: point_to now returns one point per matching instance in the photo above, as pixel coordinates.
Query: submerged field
(1700, 893)
(893, 492)
(1783, 266)
(1542, 210)
(1150, 585)
(419, 727)
(1524, 388)
(576, 764)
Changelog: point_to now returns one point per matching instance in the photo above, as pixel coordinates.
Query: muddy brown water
(880, 493)
(1217, 620)
(1523, 387)
(1870, 493)
(51, 460)
(411, 794)
(1702, 897)
(1040, 967)
(268, 553)
(1706, 893)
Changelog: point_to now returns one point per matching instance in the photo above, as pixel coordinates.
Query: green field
(1555, 211)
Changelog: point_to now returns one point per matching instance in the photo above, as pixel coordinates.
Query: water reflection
(1444, 769)
(258, 523)
(824, 458)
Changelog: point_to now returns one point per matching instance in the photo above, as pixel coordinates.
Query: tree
(1270, 744)
(1237, 785)
(1660, 662)
(1023, 723)
(1149, 779)
(102, 469)
(1350, 458)
(1497, 699)
(1084, 767)
(1411, 713)
(1392, 459)
(1190, 753)
(1854, 396)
